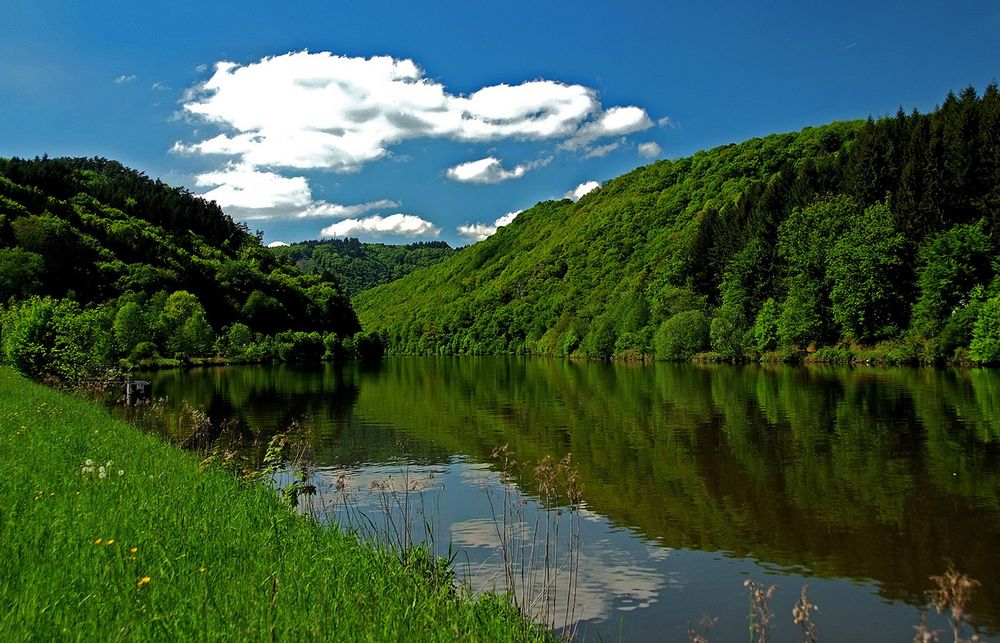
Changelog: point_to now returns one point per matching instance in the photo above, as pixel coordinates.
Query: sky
(402, 122)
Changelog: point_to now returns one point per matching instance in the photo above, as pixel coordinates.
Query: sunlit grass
(108, 533)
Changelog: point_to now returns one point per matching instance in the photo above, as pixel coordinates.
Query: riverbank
(106, 532)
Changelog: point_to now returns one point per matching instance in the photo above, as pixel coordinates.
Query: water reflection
(877, 474)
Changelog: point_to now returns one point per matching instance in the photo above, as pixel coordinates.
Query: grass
(152, 547)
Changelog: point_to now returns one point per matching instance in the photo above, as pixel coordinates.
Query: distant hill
(850, 233)
(140, 260)
(360, 266)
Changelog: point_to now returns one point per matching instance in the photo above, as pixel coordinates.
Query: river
(860, 482)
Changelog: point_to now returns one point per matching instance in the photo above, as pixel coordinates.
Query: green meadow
(108, 533)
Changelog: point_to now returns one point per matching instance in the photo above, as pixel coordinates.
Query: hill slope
(855, 231)
(360, 266)
(135, 261)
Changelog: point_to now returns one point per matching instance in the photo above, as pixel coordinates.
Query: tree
(985, 346)
(20, 273)
(130, 328)
(682, 336)
(869, 277)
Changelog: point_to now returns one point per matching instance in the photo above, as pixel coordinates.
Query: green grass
(224, 560)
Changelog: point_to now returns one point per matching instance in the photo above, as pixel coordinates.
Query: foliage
(681, 336)
(867, 269)
(360, 266)
(121, 261)
(985, 346)
(861, 231)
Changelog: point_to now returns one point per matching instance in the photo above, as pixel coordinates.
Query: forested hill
(141, 263)
(360, 266)
(855, 233)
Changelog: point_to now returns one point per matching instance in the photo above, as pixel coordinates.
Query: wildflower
(110, 542)
(201, 569)
(101, 472)
(88, 462)
(143, 581)
(134, 549)
(97, 542)
(121, 472)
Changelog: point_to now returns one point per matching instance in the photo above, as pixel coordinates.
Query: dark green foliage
(951, 264)
(826, 224)
(681, 336)
(869, 275)
(985, 346)
(20, 273)
(138, 262)
(360, 266)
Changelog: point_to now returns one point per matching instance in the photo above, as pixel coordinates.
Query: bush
(985, 346)
(681, 336)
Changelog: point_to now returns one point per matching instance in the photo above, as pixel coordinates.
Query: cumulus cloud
(241, 185)
(277, 244)
(318, 110)
(250, 194)
(124, 78)
(403, 225)
(303, 110)
(617, 121)
(584, 188)
(479, 231)
(650, 150)
(490, 170)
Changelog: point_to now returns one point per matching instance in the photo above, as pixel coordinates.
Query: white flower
(121, 472)
(88, 462)
(101, 472)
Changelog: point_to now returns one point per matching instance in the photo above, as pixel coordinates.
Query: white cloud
(404, 225)
(617, 121)
(241, 185)
(584, 188)
(201, 68)
(277, 244)
(250, 194)
(305, 110)
(603, 150)
(160, 87)
(324, 209)
(124, 78)
(490, 170)
(479, 231)
(650, 150)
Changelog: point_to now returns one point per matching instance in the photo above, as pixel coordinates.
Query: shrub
(681, 336)
(985, 346)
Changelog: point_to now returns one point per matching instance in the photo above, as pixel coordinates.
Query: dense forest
(855, 240)
(360, 266)
(98, 262)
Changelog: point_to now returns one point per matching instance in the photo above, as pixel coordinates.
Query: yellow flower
(97, 542)
(134, 549)
(201, 569)
(110, 542)
(143, 581)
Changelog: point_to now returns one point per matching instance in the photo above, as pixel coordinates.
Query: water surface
(860, 482)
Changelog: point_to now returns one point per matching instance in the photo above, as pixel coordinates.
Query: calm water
(859, 482)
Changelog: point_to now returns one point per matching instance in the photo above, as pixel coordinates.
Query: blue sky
(421, 121)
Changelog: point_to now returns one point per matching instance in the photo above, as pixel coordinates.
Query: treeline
(856, 240)
(360, 266)
(100, 263)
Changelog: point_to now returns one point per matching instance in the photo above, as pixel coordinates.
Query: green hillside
(360, 266)
(819, 242)
(98, 262)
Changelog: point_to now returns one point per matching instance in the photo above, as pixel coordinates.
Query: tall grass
(108, 533)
